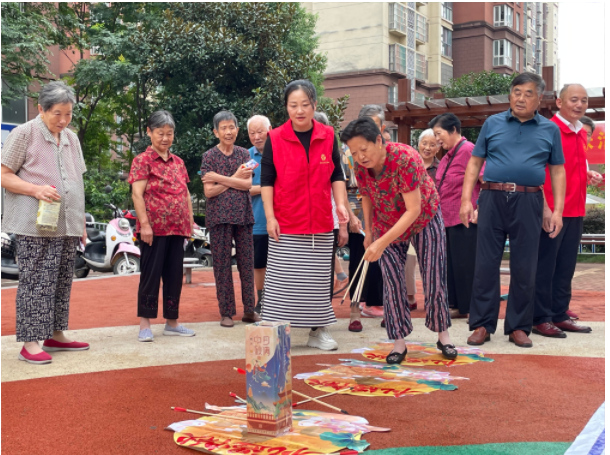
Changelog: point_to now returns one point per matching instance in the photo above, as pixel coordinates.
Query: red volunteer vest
(301, 194)
(574, 146)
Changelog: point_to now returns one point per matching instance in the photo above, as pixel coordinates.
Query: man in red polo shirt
(557, 256)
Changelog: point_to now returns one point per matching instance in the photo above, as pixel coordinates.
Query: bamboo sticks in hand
(358, 291)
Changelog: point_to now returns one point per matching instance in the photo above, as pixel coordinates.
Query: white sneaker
(322, 339)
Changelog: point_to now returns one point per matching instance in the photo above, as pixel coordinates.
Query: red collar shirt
(451, 191)
(574, 144)
(403, 172)
(166, 194)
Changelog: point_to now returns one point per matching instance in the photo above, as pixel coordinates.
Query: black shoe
(383, 323)
(396, 358)
(448, 350)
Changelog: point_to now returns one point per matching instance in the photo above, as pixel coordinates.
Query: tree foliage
(26, 35)
(485, 83)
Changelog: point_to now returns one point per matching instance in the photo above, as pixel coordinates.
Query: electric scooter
(198, 246)
(110, 247)
(10, 269)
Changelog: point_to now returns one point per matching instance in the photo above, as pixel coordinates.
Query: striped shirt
(32, 153)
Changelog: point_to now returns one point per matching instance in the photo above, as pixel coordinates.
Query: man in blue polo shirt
(516, 145)
(258, 128)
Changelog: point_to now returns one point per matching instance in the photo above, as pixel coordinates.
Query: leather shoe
(571, 314)
(520, 339)
(548, 329)
(455, 314)
(570, 326)
(479, 337)
(251, 317)
(226, 321)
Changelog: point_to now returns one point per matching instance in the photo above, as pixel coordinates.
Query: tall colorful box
(269, 378)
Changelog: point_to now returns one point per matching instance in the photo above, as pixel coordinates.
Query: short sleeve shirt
(33, 154)
(233, 206)
(518, 152)
(166, 194)
(260, 220)
(403, 172)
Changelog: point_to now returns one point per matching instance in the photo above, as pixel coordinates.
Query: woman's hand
(343, 236)
(146, 234)
(355, 226)
(210, 177)
(273, 229)
(368, 239)
(243, 173)
(374, 252)
(342, 214)
(46, 193)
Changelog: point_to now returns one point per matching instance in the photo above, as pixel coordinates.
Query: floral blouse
(403, 172)
(166, 195)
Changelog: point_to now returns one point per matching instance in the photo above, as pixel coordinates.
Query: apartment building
(541, 33)
(370, 46)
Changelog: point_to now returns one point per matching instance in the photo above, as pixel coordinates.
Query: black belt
(509, 187)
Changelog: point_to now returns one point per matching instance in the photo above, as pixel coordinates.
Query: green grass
(582, 258)
(517, 448)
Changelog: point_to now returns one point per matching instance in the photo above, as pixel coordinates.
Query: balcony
(421, 67)
(398, 58)
(398, 19)
(421, 3)
(421, 29)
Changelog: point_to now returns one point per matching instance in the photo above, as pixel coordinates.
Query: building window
(398, 17)
(503, 16)
(518, 16)
(446, 38)
(503, 53)
(447, 11)
(446, 73)
(398, 58)
(421, 29)
(421, 67)
(393, 94)
(517, 59)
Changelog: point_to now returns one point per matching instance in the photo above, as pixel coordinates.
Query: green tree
(26, 35)
(206, 57)
(485, 83)
(95, 195)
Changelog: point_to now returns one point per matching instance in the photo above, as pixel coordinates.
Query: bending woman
(400, 205)
(300, 163)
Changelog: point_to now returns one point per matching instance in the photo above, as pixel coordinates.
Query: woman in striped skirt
(300, 165)
(400, 205)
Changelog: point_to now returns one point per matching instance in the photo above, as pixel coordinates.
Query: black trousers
(161, 261)
(518, 215)
(461, 258)
(556, 265)
(372, 290)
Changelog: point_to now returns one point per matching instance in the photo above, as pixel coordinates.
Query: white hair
(262, 118)
(424, 134)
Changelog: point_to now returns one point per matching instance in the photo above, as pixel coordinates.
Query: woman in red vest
(301, 162)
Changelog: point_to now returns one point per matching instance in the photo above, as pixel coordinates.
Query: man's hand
(466, 213)
(243, 173)
(475, 218)
(546, 218)
(355, 226)
(556, 225)
(146, 234)
(46, 193)
(83, 239)
(343, 235)
(374, 251)
(594, 178)
(273, 229)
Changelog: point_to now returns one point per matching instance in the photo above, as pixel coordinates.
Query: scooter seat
(95, 235)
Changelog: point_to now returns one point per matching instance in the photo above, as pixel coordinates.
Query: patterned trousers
(46, 268)
(220, 244)
(429, 245)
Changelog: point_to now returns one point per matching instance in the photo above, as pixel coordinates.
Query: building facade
(541, 38)
(370, 46)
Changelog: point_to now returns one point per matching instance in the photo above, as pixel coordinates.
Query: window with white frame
(393, 94)
(503, 16)
(398, 17)
(398, 58)
(517, 59)
(503, 53)
(447, 11)
(446, 39)
(518, 17)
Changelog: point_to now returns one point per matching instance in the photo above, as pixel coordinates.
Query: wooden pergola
(473, 111)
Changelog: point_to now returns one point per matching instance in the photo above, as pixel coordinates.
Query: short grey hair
(260, 118)
(425, 133)
(525, 78)
(567, 86)
(159, 119)
(222, 116)
(588, 121)
(56, 92)
(321, 117)
(372, 110)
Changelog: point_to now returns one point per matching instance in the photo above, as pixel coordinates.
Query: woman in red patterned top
(165, 219)
(400, 205)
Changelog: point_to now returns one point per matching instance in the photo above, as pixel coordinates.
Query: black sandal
(396, 358)
(448, 350)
